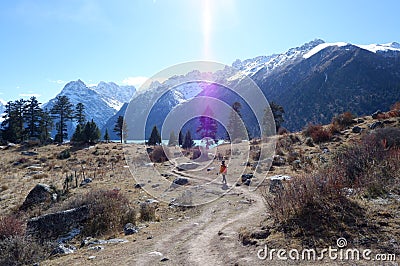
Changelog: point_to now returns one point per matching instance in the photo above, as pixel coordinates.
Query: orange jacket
(223, 169)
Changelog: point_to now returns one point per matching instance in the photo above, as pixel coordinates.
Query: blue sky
(45, 44)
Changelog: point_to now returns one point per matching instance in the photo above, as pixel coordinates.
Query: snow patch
(321, 47)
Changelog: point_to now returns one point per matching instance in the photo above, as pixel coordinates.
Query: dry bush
(21, 250)
(109, 211)
(343, 120)
(147, 212)
(389, 137)
(317, 132)
(11, 226)
(395, 107)
(158, 155)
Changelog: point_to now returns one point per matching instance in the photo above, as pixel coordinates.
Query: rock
(54, 225)
(29, 153)
(376, 114)
(275, 186)
(278, 160)
(41, 193)
(261, 234)
(309, 142)
(181, 181)
(65, 238)
(164, 259)
(356, 129)
(152, 201)
(360, 120)
(85, 182)
(130, 229)
(246, 177)
(63, 249)
(376, 125)
(139, 185)
(247, 182)
(187, 166)
(97, 248)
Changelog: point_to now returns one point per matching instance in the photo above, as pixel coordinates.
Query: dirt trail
(211, 238)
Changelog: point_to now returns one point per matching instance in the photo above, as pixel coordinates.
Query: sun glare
(207, 21)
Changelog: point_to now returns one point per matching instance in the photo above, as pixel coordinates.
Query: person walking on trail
(223, 171)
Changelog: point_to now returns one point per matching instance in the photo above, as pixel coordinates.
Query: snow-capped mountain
(101, 102)
(268, 63)
(313, 82)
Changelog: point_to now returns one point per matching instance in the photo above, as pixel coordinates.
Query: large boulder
(53, 225)
(187, 166)
(40, 194)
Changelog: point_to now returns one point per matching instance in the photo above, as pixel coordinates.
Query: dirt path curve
(211, 238)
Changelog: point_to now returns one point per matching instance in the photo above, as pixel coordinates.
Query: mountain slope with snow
(101, 102)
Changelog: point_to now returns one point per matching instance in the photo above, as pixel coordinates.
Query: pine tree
(62, 110)
(120, 128)
(155, 137)
(79, 114)
(45, 126)
(78, 135)
(188, 142)
(235, 125)
(208, 125)
(277, 112)
(13, 123)
(32, 117)
(106, 136)
(91, 132)
(172, 139)
(180, 138)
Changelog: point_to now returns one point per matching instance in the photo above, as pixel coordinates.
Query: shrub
(11, 226)
(147, 212)
(343, 120)
(158, 155)
(109, 211)
(20, 250)
(65, 154)
(389, 137)
(317, 133)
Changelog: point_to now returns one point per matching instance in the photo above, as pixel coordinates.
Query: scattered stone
(155, 185)
(181, 181)
(130, 229)
(54, 225)
(187, 166)
(377, 124)
(278, 160)
(246, 177)
(29, 153)
(96, 248)
(156, 253)
(86, 181)
(309, 142)
(73, 233)
(152, 201)
(41, 193)
(91, 257)
(63, 249)
(356, 129)
(139, 185)
(376, 114)
(261, 234)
